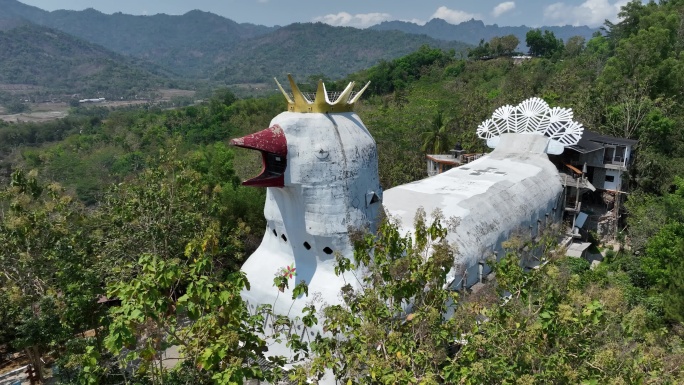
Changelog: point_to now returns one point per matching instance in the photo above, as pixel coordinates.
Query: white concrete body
(513, 188)
(330, 180)
(331, 187)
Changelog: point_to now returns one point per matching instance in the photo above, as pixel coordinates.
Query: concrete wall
(508, 191)
(599, 178)
(616, 174)
(329, 184)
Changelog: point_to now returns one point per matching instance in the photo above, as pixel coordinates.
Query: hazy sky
(364, 13)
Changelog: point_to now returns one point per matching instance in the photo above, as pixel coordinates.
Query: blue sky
(364, 13)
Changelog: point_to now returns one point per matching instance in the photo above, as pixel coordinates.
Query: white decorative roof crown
(533, 116)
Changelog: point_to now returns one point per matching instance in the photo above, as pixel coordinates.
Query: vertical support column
(480, 271)
(464, 281)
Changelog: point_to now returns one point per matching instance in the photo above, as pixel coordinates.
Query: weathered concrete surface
(331, 185)
(511, 189)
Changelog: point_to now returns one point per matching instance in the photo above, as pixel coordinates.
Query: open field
(40, 112)
(37, 116)
(18, 88)
(167, 94)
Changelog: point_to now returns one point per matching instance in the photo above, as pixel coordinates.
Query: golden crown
(299, 101)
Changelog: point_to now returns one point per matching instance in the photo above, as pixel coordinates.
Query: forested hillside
(142, 210)
(203, 45)
(187, 44)
(319, 49)
(59, 63)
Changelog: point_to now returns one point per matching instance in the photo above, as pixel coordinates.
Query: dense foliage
(543, 44)
(559, 323)
(496, 47)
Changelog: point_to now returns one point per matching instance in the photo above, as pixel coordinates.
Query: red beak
(272, 144)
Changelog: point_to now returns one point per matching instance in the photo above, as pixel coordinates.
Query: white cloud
(360, 20)
(592, 12)
(502, 8)
(453, 16)
(414, 21)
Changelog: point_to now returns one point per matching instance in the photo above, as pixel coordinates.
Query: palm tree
(437, 137)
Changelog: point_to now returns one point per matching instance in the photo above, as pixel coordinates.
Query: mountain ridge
(472, 31)
(185, 43)
(201, 45)
(322, 49)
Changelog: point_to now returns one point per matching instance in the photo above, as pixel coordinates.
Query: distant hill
(190, 44)
(12, 9)
(204, 45)
(7, 24)
(53, 61)
(315, 48)
(473, 31)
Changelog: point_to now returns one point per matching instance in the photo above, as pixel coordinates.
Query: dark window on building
(608, 155)
(327, 250)
(307, 246)
(610, 178)
(275, 233)
(284, 237)
(620, 154)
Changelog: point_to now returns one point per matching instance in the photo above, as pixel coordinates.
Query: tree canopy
(543, 44)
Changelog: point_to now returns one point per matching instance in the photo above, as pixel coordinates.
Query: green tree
(163, 208)
(391, 330)
(543, 44)
(48, 274)
(170, 250)
(674, 285)
(209, 324)
(16, 107)
(481, 51)
(558, 323)
(504, 46)
(437, 138)
(574, 47)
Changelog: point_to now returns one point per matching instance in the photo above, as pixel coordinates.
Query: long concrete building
(513, 189)
(320, 168)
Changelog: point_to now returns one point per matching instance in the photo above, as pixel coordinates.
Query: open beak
(272, 144)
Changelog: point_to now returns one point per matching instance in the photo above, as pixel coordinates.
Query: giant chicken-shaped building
(320, 169)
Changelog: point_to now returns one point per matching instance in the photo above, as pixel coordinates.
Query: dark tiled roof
(592, 141)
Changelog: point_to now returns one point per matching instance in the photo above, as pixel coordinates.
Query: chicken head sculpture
(320, 169)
